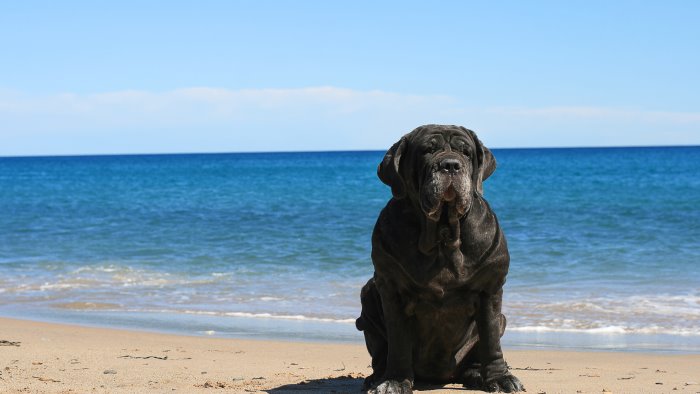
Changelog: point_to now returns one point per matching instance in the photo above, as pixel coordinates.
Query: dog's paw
(506, 384)
(471, 379)
(393, 387)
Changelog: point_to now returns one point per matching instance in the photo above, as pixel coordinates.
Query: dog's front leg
(494, 370)
(398, 376)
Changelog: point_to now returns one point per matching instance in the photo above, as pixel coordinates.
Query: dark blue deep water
(603, 242)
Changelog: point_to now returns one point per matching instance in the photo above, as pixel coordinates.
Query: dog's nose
(450, 165)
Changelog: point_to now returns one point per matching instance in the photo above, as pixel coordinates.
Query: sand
(56, 358)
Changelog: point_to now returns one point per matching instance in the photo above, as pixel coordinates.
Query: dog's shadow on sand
(341, 384)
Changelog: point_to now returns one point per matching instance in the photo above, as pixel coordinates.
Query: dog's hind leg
(470, 375)
(371, 323)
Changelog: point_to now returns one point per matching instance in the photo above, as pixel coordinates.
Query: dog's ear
(484, 165)
(388, 170)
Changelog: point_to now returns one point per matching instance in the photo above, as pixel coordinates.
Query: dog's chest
(447, 265)
(445, 271)
(445, 294)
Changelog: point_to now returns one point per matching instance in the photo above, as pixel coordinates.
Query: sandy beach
(56, 358)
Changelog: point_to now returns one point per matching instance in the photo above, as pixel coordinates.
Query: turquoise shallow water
(604, 243)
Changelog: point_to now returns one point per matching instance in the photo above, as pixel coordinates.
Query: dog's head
(437, 166)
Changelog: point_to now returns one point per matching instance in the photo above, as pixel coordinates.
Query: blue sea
(604, 243)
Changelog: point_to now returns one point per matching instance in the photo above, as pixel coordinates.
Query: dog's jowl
(432, 311)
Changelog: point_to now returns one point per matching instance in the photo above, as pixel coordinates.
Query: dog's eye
(461, 146)
(431, 147)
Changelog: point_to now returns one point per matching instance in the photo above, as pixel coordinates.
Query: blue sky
(155, 77)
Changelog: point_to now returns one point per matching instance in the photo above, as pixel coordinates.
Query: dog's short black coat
(432, 311)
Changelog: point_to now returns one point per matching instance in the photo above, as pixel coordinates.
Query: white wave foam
(288, 317)
(60, 286)
(668, 314)
(262, 315)
(106, 276)
(609, 330)
(598, 330)
(101, 268)
(271, 299)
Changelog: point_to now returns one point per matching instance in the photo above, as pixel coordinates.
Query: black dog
(432, 311)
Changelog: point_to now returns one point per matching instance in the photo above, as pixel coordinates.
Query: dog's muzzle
(446, 186)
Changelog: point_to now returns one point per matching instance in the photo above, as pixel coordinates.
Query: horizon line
(67, 155)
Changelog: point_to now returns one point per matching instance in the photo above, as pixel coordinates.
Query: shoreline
(62, 358)
(323, 331)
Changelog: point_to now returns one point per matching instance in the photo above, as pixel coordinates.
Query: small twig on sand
(8, 343)
(536, 369)
(46, 379)
(144, 357)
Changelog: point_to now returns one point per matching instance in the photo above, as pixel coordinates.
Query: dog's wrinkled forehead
(433, 139)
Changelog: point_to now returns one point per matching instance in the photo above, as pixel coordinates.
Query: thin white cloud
(580, 112)
(200, 105)
(201, 119)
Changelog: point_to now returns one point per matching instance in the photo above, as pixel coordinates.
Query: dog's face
(439, 167)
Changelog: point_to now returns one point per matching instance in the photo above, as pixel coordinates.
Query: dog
(432, 311)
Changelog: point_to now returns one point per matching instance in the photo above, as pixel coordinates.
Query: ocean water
(604, 243)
